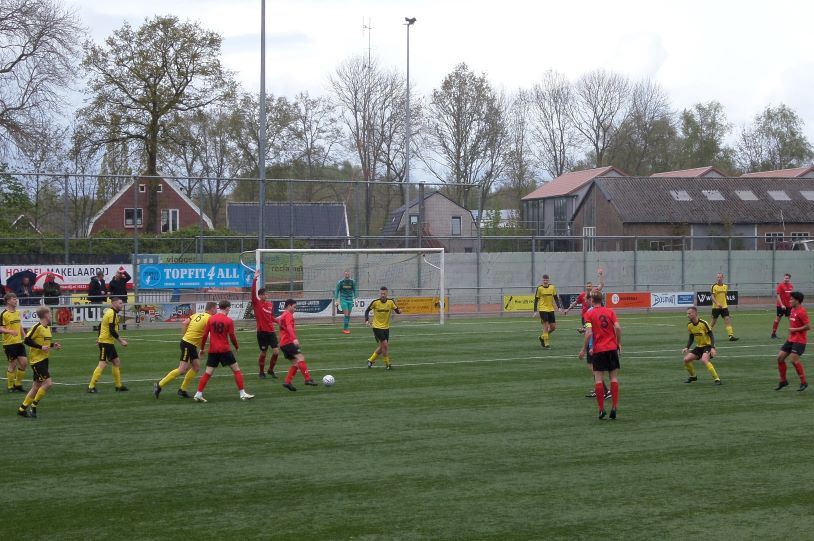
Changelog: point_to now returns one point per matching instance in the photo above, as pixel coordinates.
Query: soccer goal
(413, 276)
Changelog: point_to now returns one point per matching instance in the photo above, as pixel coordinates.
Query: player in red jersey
(584, 298)
(265, 320)
(291, 346)
(783, 294)
(607, 343)
(796, 344)
(222, 329)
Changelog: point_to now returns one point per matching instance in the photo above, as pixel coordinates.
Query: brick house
(444, 223)
(127, 210)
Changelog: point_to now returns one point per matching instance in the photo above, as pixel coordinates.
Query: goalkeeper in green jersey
(344, 296)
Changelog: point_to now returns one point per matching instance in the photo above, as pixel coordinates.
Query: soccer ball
(328, 380)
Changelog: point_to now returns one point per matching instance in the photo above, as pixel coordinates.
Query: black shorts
(41, 370)
(290, 351)
(381, 335)
(13, 351)
(794, 347)
(605, 361)
(548, 317)
(699, 351)
(720, 312)
(107, 352)
(266, 339)
(189, 352)
(784, 311)
(226, 358)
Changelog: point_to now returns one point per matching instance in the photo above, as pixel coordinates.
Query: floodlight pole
(261, 148)
(408, 23)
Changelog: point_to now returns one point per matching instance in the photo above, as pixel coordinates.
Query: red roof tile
(570, 182)
(782, 173)
(696, 172)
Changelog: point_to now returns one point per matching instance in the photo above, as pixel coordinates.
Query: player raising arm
(607, 343)
(264, 319)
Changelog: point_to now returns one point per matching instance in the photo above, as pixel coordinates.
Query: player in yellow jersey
(720, 308)
(701, 333)
(108, 336)
(38, 338)
(12, 329)
(190, 364)
(382, 309)
(546, 302)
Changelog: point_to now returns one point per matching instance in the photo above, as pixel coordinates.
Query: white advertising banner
(681, 299)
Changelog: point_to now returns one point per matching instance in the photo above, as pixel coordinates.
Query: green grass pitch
(477, 433)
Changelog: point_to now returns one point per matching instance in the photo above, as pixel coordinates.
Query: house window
(133, 215)
(808, 194)
(773, 237)
(589, 233)
(800, 235)
(413, 219)
(713, 195)
(142, 188)
(169, 220)
(159, 188)
(680, 195)
(779, 195)
(456, 226)
(746, 195)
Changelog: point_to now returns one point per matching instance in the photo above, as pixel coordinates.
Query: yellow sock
(690, 368)
(40, 394)
(545, 338)
(188, 377)
(10, 379)
(373, 357)
(117, 376)
(27, 401)
(387, 360)
(19, 379)
(729, 330)
(712, 371)
(171, 375)
(97, 374)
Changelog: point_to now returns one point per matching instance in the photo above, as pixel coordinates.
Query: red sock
(261, 361)
(774, 326)
(600, 395)
(239, 380)
(272, 362)
(614, 393)
(781, 367)
(304, 369)
(292, 371)
(800, 372)
(203, 381)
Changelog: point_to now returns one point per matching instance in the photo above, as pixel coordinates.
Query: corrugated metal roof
(649, 200)
(310, 219)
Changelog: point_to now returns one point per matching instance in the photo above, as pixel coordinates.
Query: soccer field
(477, 433)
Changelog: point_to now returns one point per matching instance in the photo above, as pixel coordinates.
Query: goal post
(416, 275)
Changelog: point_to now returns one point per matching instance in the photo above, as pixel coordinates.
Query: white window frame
(460, 226)
(142, 188)
(800, 235)
(138, 215)
(159, 188)
(774, 236)
(167, 214)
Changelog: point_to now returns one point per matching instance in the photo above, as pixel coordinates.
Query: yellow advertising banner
(518, 303)
(82, 298)
(421, 305)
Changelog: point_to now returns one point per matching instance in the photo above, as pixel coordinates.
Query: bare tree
(315, 134)
(466, 135)
(600, 106)
(520, 170)
(39, 47)
(83, 161)
(553, 127)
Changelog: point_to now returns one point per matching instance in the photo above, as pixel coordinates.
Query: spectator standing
(51, 290)
(97, 289)
(118, 285)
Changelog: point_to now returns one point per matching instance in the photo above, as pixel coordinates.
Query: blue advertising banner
(193, 276)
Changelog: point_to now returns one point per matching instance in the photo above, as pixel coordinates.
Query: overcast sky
(745, 54)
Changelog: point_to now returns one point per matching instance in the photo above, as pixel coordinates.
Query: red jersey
(222, 329)
(602, 322)
(798, 318)
(784, 290)
(585, 302)
(288, 331)
(263, 311)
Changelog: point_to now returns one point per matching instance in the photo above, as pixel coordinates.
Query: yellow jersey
(544, 298)
(109, 327)
(195, 329)
(719, 294)
(701, 332)
(11, 321)
(381, 313)
(40, 335)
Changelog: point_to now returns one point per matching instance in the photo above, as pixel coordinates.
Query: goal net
(414, 278)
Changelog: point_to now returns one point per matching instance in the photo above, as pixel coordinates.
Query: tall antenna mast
(367, 27)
